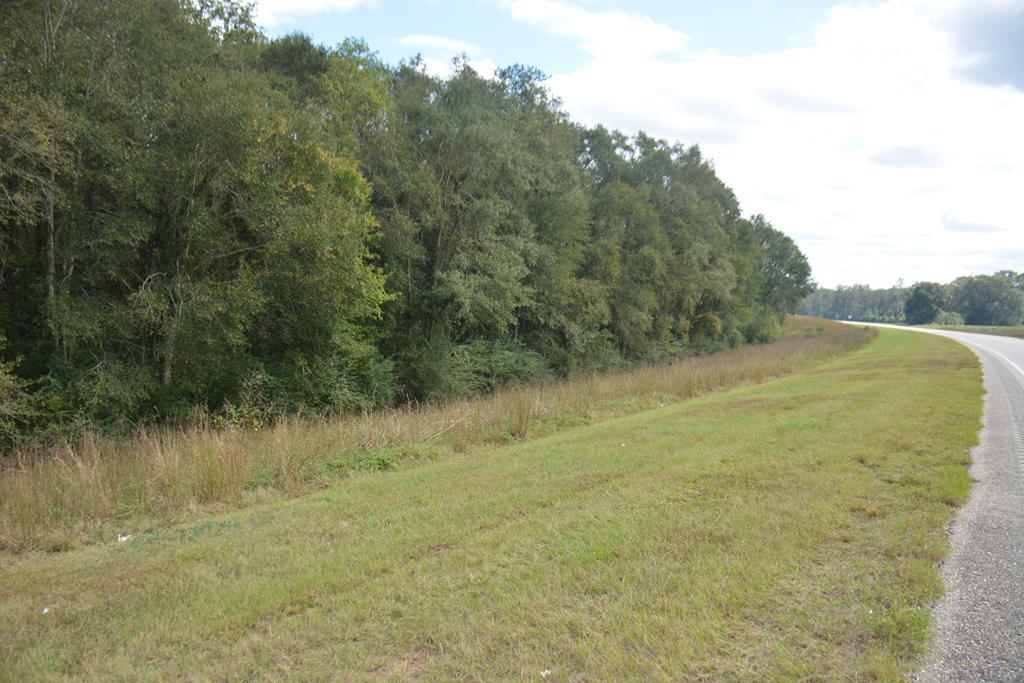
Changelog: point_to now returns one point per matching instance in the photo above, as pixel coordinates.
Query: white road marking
(996, 354)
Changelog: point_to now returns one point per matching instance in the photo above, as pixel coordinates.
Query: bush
(763, 328)
(949, 318)
(15, 402)
(441, 368)
(490, 364)
(259, 401)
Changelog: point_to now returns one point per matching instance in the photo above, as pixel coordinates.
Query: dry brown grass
(100, 486)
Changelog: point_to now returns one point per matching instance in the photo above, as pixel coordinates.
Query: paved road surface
(979, 625)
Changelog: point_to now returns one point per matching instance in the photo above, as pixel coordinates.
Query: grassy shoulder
(93, 490)
(999, 330)
(785, 530)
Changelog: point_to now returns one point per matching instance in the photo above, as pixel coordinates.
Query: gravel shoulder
(979, 624)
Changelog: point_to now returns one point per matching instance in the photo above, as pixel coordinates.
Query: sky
(884, 137)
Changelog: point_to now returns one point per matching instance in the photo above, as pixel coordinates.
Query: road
(979, 624)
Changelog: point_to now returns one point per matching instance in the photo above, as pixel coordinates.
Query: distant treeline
(976, 300)
(195, 216)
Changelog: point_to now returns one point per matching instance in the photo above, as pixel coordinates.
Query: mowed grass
(788, 530)
(999, 330)
(91, 490)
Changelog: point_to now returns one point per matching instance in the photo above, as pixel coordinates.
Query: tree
(200, 224)
(989, 299)
(786, 272)
(924, 303)
(980, 300)
(195, 215)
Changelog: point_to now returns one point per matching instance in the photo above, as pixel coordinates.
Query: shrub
(949, 318)
(80, 487)
(763, 328)
(16, 406)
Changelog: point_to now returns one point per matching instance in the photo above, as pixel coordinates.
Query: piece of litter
(121, 538)
(46, 610)
(623, 445)
(545, 673)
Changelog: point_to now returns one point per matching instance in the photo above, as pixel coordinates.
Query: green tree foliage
(204, 227)
(996, 299)
(856, 302)
(16, 403)
(989, 299)
(195, 215)
(925, 302)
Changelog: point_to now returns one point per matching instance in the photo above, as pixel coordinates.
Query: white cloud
(442, 67)
(439, 52)
(275, 12)
(422, 41)
(869, 145)
(601, 33)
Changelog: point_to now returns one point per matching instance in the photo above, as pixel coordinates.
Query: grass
(781, 531)
(94, 489)
(999, 330)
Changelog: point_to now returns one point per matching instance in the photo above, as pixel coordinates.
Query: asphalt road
(979, 624)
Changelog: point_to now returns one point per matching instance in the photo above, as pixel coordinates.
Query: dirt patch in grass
(409, 668)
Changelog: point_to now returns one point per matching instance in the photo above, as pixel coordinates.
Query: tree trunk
(166, 375)
(177, 310)
(51, 261)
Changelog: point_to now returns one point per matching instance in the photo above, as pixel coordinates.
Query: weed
(170, 474)
(732, 537)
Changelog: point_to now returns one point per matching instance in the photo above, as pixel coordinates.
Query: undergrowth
(97, 487)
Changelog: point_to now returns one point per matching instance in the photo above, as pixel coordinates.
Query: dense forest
(197, 217)
(996, 299)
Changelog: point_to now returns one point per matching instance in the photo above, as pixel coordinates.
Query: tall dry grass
(98, 486)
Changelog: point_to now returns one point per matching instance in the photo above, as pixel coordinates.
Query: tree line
(996, 299)
(196, 216)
